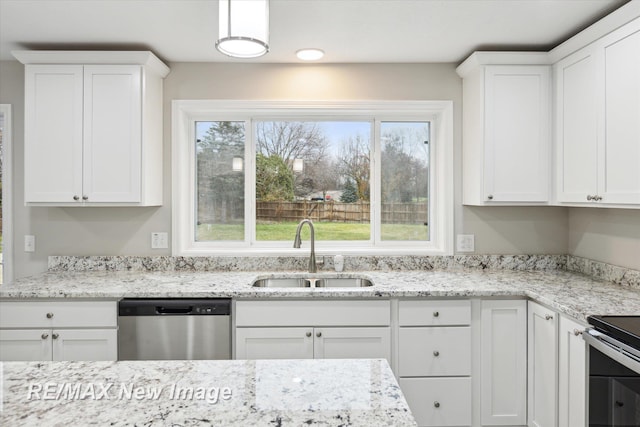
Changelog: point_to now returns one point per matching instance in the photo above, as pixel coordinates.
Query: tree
(291, 140)
(404, 165)
(354, 164)
(349, 193)
(274, 179)
(220, 188)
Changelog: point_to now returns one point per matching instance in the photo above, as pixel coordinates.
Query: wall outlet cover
(159, 240)
(465, 243)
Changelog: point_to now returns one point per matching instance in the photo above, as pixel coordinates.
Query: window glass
(220, 178)
(404, 180)
(313, 169)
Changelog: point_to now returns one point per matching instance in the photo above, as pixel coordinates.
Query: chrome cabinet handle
(548, 317)
(76, 198)
(577, 332)
(597, 198)
(589, 197)
(85, 197)
(490, 197)
(436, 353)
(308, 334)
(436, 314)
(44, 336)
(436, 404)
(49, 315)
(318, 334)
(55, 336)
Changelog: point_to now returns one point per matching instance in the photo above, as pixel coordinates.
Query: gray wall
(608, 235)
(126, 231)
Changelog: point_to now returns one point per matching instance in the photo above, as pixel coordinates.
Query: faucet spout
(297, 242)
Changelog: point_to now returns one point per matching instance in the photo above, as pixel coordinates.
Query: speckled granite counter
(573, 294)
(217, 393)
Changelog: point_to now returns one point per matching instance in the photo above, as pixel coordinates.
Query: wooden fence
(359, 212)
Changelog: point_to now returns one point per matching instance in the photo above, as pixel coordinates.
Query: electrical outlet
(29, 243)
(465, 243)
(159, 240)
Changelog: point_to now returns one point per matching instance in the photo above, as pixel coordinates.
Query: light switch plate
(29, 243)
(465, 243)
(159, 240)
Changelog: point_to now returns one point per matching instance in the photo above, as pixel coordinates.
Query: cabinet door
(112, 133)
(439, 401)
(433, 351)
(53, 133)
(577, 126)
(85, 344)
(619, 172)
(503, 361)
(517, 133)
(274, 343)
(352, 343)
(572, 375)
(543, 354)
(25, 345)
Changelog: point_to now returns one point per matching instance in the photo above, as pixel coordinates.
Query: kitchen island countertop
(573, 294)
(358, 392)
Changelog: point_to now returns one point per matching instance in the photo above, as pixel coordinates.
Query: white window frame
(7, 195)
(186, 112)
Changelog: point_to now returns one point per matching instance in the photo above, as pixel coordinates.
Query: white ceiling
(347, 30)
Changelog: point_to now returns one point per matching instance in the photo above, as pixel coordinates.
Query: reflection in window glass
(220, 181)
(405, 180)
(318, 170)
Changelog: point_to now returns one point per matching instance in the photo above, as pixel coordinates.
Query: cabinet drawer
(58, 314)
(435, 313)
(439, 401)
(435, 351)
(313, 313)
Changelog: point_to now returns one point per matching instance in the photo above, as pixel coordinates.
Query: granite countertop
(358, 392)
(573, 294)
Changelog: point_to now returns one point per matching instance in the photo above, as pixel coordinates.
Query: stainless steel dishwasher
(176, 329)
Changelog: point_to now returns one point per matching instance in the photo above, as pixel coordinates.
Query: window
(373, 177)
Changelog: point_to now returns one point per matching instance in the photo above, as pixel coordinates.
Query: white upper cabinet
(93, 128)
(598, 121)
(506, 133)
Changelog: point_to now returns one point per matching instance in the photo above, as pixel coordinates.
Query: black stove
(625, 329)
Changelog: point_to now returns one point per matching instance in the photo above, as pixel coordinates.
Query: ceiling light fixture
(244, 28)
(310, 54)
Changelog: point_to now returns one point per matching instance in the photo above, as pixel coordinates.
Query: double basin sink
(313, 282)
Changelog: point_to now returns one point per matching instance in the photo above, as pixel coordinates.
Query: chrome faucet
(298, 241)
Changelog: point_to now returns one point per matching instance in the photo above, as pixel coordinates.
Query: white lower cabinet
(309, 343)
(307, 329)
(503, 362)
(58, 330)
(434, 360)
(542, 366)
(572, 374)
(439, 401)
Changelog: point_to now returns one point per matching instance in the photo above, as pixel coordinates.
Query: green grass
(339, 231)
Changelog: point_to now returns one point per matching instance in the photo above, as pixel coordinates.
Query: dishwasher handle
(161, 309)
(174, 307)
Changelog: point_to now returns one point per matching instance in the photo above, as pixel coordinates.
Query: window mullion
(376, 184)
(250, 183)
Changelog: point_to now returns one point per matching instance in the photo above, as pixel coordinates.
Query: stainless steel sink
(343, 282)
(282, 282)
(312, 282)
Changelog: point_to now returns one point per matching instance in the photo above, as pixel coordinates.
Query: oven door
(614, 382)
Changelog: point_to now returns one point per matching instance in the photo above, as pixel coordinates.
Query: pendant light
(244, 28)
